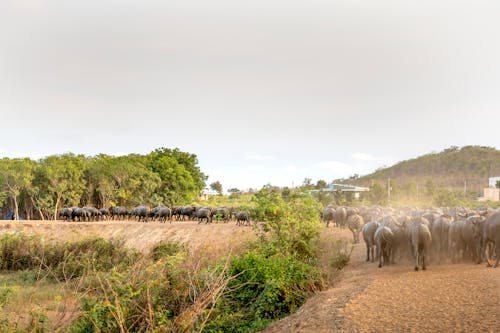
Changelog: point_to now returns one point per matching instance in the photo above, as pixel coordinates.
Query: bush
(263, 289)
(294, 223)
(172, 291)
(19, 252)
(342, 254)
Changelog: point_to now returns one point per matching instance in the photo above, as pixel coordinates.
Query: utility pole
(465, 186)
(388, 190)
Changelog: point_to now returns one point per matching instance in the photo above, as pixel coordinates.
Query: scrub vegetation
(168, 288)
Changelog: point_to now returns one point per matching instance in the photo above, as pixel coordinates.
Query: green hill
(451, 169)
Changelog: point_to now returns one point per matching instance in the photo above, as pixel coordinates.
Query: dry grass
(218, 237)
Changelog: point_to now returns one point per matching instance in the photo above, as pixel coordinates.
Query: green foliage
(321, 184)
(166, 249)
(265, 287)
(149, 295)
(16, 176)
(340, 254)
(182, 179)
(5, 293)
(449, 168)
(243, 294)
(449, 198)
(41, 188)
(61, 176)
(377, 194)
(217, 186)
(294, 222)
(19, 252)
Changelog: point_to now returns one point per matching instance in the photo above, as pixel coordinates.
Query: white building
(491, 193)
(492, 182)
(356, 190)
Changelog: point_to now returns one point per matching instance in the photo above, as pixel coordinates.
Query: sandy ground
(365, 298)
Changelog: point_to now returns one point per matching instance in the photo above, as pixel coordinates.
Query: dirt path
(364, 298)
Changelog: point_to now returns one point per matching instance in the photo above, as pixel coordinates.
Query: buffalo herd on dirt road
(159, 213)
(439, 235)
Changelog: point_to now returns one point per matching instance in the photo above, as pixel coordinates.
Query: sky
(262, 91)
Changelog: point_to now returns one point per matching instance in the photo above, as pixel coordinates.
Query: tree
(100, 181)
(62, 179)
(133, 183)
(216, 186)
(321, 184)
(181, 177)
(377, 194)
(17, 175)
(339, 197)
(498, 184)
(430, 188)
(307, 182)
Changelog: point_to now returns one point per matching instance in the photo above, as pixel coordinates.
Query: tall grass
(171, 288)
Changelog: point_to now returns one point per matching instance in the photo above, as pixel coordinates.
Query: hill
(452, 169)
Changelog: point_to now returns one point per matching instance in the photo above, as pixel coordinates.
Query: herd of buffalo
(440, 234)
(159, 213)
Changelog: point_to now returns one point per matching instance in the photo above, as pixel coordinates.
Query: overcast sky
(262, 91)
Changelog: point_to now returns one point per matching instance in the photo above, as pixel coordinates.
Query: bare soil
(365, 298)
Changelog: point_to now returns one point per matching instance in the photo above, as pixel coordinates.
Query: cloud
(259, 157)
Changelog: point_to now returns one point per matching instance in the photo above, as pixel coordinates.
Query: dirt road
(364, 298)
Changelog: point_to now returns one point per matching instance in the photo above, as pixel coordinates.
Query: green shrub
(5, 293)
(166, 249)
(263, 289)
(19, 252)
(171, 291)
(341, 254)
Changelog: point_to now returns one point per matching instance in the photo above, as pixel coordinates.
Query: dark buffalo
(104, 213)
(142, 213)
(328, 216)
(118, 212)
(161, 213)
(80, 215)
(491, 238)
(242, 218)
(222, 213)
(66, 214)
(92, 213)
(203, 213)
(187, 212)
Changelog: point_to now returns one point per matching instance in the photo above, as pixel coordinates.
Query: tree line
(38, 189)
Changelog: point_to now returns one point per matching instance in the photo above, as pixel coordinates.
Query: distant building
(207, 193)
(491, 193)
(492, 182)
(344, 188)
